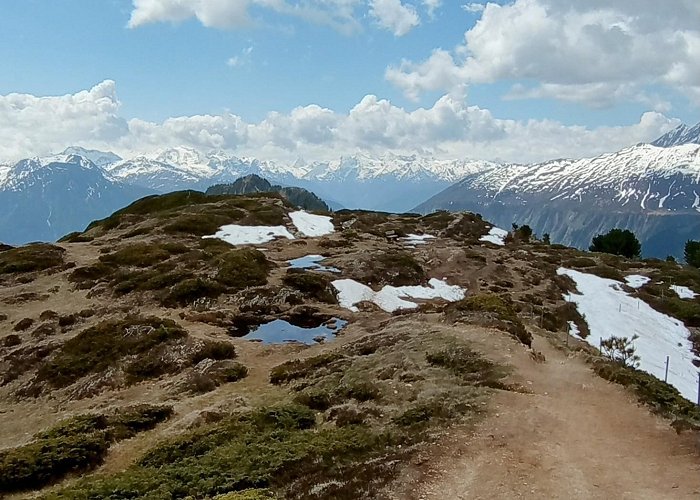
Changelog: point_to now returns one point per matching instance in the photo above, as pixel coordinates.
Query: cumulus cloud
(394, 16)
(450, 128)
(31, 125)
(593, 51)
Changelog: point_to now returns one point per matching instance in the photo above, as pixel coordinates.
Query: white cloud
(473, 7)
(601, 51)
(229, 14)
(213, 13)
(431, 6)
(32, 125)
(240, 59)
(394, 16)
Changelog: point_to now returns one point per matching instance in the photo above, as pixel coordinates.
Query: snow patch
(573, 329)
(496, 236)
(416, 239)
(609, 311)
(250, 235)
(683, 292)
(392, 298)
(636, 281)
(312, 225)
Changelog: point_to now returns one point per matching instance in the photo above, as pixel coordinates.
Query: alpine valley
(651, 189)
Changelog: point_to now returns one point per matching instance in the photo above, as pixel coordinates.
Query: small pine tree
(524, 233)
(545, 239)
(621, 350)
(617, 242)
(692, 253)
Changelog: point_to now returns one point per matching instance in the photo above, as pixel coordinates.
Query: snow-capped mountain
(45, 198)
(391, 182)
(683, 134)
(654, 191)
(99, 158)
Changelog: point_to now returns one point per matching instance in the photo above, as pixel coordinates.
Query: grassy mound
(74, 445)
(102, 346)
(490, 310)
(266, 448)
(312, 285)
(29, 258)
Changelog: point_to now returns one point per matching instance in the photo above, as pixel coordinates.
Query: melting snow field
(250, 235)
(308, 225)
(636, 281)
(496, 236)
(312, 225)
(609, 311)
(683, 292)
(391, 298)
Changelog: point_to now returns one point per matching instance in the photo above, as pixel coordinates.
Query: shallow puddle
(311, 262)
(280, 332)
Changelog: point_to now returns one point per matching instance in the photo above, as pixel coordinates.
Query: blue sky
(241, 60)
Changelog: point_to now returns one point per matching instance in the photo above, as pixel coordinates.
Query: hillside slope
(252, 183)
(237, 347)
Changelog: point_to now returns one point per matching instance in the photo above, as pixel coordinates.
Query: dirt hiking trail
(576, 436)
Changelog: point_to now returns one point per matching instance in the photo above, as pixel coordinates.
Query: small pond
(311, 262)
(280, 332)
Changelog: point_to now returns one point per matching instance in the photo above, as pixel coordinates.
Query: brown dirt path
(576, 437)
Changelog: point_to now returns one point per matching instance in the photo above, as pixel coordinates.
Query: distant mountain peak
(682, 134)
(99, 158)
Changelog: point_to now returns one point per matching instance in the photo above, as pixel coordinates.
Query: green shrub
(29, 258)
(397, 268)
(300, 368)
(498, 308)
(99, 347)
(189, 290)
(23, 324)
(316, 399)
(137, 255)
(214, 350)
(360, 391)
(199, 224)
(660, 396)
(11, 340)
(76, 237)
(607, 272)
(312, 285)
(468, 365)
(243, 268)
(273, 448)
(234, 373)
(583, 262)
(74, 445)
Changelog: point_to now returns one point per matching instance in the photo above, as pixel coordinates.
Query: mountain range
(649, 188)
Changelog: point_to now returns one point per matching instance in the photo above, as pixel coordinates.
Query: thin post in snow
(698, 388)
(668, 358)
